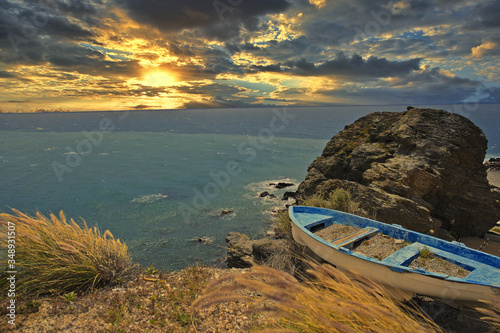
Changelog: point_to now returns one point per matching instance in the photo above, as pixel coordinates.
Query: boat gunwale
(442, 245)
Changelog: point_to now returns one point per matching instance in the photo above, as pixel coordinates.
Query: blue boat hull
(482, 281)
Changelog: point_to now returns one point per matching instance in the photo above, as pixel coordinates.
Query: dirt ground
(159, 302)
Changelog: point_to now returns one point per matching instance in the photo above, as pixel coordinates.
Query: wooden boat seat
(405, 255)
(349, 240)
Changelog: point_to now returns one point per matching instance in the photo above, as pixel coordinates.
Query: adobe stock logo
(249, 149)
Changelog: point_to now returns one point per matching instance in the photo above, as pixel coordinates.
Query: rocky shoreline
(420, 168)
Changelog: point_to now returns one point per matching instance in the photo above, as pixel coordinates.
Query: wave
(150, 198)
(258, 187)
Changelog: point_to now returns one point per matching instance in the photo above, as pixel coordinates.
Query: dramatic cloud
(143, 54)
(356, 67)
(219, 18)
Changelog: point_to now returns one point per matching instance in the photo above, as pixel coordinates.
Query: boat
(394, 271)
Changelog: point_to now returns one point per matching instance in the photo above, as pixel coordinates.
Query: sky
(98, 55)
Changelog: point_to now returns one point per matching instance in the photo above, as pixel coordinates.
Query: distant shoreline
(236, 107)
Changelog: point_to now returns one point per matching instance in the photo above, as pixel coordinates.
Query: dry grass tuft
(491, 312)
(56, 255)
(328, 301)
(338, 199)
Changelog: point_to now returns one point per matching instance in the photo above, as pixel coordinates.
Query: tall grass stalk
(57, 255)
(328, 301)
(491, 312)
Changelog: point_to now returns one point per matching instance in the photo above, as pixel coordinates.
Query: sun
(159, 79)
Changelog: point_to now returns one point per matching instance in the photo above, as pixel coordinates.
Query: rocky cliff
(422, 169)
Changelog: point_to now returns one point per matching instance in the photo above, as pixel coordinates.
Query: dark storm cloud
(356, 66)
(37, 34)
(191, 72)
(359, 24)
(61, 27)
(69, 57)
(28, 20)
(180, 50)
(7, 75)
(286, 50)
(391, 42)
(211, 89)
(115, 89)
(435, 77)
(250, 47)
(269, 68)
(429, 86)
(219, 18)
(76, 8)
(28, 30)
(487, 15)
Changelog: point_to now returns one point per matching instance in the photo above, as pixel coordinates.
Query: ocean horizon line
(247, 107)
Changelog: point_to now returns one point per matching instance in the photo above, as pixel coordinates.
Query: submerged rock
(266, 194)
(282, 184)
(288, 195)
(422, 169)
(204, 240)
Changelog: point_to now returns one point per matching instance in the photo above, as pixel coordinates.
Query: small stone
(204, 239)
(270, 233)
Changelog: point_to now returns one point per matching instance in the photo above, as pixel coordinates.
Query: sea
(159, 179)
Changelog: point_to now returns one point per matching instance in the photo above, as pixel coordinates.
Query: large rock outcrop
(422, 169)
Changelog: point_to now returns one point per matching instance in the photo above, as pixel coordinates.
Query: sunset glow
(107, 55)
(159, 79)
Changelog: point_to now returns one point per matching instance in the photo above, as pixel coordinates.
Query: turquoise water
(158, 179)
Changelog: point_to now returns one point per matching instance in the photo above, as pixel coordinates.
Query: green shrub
(425, 252)
(338, 199)
(56, 255)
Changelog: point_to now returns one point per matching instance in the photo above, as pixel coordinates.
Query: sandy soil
(381, 246)
(494, 177)
(335, 231)
(435, 264)
(476, 243)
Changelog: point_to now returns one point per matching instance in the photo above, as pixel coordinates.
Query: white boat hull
(448, 291)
